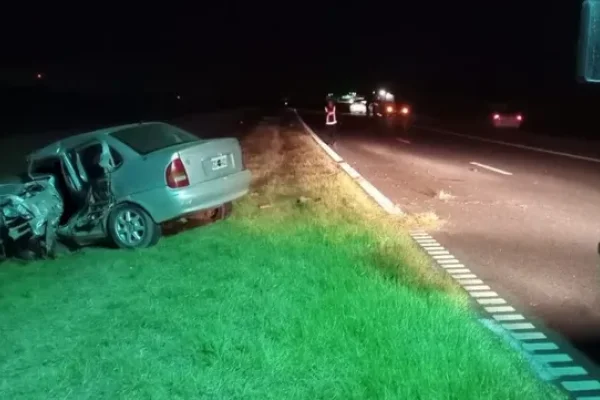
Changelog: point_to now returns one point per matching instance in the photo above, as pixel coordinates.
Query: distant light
(404, 110)
(39, 76)
(390, 109)
(496, 116)
(178, 97)
(519, 117)
(382, 92)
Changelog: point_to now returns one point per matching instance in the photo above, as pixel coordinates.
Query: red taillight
(519, 117)
(496, 116)
(176, 174)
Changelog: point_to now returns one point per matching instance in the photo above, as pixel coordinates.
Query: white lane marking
(580, 386)
(518, 146)
(453, 266)
(474, 288)
(437, 252)
(424, 239)
(567, 371)
(518, 326)
(459, 271)
(509, 317)
(496, 301)
(528, 335)
(483, 294)
(539, 346)
(349, 170)
(552, 358)
(499, 309)
(430, 244)
(470, 281)
(445, 257)
(448, 261)
(464, 276)
(490, 168)
(403, 140)
(433, 248)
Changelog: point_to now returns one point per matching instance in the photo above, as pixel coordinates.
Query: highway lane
(526, 222)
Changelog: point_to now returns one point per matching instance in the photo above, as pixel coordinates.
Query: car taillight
(496, 116)
(519, 117)
(176, 175)
(389, 109)
(404, 110)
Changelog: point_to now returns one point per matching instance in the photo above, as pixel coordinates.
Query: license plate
(219, 162)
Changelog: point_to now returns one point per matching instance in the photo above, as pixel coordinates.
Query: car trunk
(211, 159)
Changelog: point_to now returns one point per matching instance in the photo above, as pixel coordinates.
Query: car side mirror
(588, 58)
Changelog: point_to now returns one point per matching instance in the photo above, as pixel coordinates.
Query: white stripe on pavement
(508, 317)
(499, 309)
(518, 326)
(539, 346)
(490, 168)
(495, 301)
(528, 335)
(473, 288)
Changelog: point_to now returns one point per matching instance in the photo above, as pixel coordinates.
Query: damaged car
(119, 184)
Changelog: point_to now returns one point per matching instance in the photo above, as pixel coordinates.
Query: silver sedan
(122, 183)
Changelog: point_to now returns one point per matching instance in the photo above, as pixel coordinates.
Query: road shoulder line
(383, 201)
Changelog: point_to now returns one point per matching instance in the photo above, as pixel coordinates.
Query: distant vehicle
(383, 104)
(504, 116)
(358, 107)
(120, 184)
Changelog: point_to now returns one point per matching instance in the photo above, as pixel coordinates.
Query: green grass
(275, 303)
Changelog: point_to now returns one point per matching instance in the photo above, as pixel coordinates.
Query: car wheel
(131, 227)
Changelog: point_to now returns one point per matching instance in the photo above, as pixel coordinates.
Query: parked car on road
(358, 107)
(121, 184)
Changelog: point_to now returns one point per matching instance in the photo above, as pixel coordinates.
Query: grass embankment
(307, 292)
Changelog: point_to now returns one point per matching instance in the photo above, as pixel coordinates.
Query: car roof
(76, 140)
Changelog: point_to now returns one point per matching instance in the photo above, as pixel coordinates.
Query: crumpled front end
(29, 216)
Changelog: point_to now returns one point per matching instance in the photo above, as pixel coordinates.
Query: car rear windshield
(145, 139)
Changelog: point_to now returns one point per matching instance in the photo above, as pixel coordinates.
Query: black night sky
(482, 49)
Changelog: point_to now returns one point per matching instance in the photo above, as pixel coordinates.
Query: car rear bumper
(507, 124)
(166, 204)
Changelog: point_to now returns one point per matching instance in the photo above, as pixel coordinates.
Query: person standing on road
(331, 122)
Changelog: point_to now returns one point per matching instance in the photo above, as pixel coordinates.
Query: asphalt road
(526, 222)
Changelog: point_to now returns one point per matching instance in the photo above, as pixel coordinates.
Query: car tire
(131, 227)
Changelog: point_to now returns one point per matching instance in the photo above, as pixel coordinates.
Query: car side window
(90, 158)
(45, 166)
